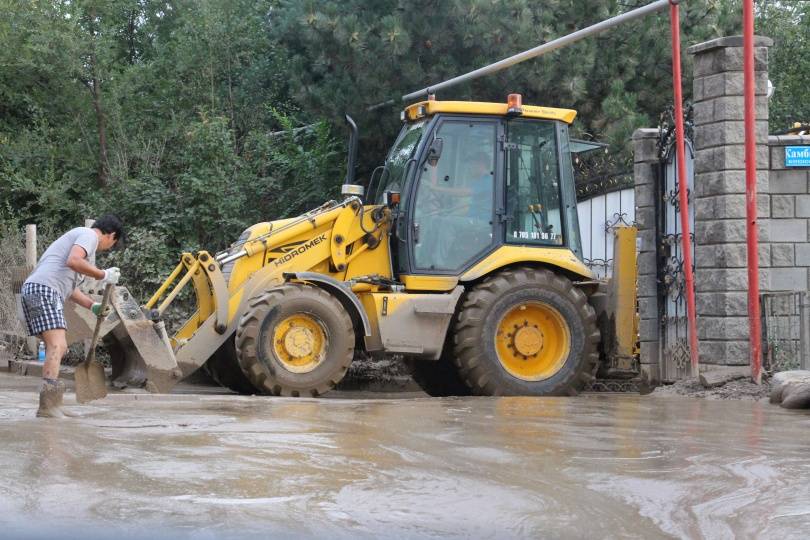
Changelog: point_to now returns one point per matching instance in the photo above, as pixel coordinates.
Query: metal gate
(602, 204)
(674, 338)
(786, 329)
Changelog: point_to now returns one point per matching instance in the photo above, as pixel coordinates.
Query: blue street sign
(797, 156)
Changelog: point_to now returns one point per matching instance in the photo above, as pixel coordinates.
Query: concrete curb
(33, 368)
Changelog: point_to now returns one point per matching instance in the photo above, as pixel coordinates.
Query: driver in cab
(471, 196)
(457, 217)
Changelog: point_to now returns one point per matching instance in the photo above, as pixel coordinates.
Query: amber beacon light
(514, 104)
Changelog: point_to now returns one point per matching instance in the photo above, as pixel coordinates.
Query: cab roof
(424, 109)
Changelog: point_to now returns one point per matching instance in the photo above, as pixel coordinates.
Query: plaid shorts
(43, 308)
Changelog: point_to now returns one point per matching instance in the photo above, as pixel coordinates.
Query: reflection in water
(606, 466)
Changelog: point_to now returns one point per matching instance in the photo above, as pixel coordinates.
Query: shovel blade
(90, 381)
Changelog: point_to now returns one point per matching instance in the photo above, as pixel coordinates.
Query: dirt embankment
(743, 389)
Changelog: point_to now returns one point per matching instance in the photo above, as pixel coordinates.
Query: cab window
(396, 165)
(533, 202)
(453, 208)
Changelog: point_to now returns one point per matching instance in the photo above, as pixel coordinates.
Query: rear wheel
(223, 367)
(296, 340)
(526, 331)
(438, 378)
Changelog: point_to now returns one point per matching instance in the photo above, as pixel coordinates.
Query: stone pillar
(645, 174)
(719, 199)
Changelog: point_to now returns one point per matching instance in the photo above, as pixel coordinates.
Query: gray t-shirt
(52, 270)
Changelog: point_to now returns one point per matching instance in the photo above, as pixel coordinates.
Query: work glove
(96, 309)
(111, 276)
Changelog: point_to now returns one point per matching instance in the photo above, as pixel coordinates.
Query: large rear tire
(526, 331)
(223, 367)
(438, 378)
(296, 340)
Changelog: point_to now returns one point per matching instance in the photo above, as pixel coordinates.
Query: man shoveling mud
(54, 280)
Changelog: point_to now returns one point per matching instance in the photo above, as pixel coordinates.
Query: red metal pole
(752, 236)
(683, 200)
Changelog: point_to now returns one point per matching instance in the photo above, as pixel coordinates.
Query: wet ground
(744, 389)
(595, 466)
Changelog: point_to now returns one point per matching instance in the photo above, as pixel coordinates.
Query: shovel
(89, 375)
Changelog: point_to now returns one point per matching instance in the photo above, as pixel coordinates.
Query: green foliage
(180, 115)
(146, 261)
(13, 249)
(348, 55)
(297, 171)
(789, 61)
(218, 192)
(189, 93)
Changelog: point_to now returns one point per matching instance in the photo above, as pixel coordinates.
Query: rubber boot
(50, 401)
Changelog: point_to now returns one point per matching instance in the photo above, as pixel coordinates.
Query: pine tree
(348, 55)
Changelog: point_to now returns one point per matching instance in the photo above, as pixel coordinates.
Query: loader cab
(473, 177)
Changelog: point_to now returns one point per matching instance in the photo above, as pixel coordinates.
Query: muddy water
(587, 467)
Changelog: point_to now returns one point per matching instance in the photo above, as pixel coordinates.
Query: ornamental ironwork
(673, 330)
(666, 129)
(599, 185)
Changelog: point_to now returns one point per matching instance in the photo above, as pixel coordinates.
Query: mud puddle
(226, 467)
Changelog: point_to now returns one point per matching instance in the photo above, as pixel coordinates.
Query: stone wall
(790, 218)
(721, 277)
(719, 202)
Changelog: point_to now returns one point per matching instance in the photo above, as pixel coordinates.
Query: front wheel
(295, 340)
(526, 331)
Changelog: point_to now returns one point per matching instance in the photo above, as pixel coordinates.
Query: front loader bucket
(140, 352)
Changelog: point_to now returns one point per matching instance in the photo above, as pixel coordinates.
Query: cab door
(451, 214)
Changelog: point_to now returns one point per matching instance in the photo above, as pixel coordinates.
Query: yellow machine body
(346, 249)
(331, 242)
(309, 246)
(429, 108)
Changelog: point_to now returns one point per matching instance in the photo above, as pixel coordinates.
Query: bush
(13, 249)
(215, 192)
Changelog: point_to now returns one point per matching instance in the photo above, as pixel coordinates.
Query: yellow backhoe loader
(464, 257)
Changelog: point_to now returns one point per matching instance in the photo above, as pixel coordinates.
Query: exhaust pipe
(349, 188)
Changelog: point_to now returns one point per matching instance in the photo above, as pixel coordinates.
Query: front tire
(295, 340)
(526, 331)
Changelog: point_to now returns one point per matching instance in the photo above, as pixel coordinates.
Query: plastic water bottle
(41, 352)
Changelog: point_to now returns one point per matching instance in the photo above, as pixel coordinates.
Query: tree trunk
(95, 92)
(102, 177)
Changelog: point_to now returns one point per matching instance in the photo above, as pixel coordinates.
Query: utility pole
(752, 233)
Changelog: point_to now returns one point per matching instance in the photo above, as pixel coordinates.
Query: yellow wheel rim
(532, 341)
(299, 342)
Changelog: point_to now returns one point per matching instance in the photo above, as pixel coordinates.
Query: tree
(345, 56)
(788, 23)
(178, 114)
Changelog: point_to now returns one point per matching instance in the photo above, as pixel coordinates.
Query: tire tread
(249, 328)
(470, 328)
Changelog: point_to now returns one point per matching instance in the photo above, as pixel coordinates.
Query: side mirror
(435, 152)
